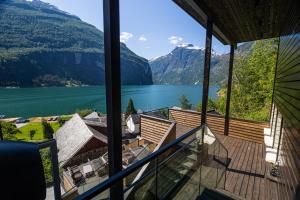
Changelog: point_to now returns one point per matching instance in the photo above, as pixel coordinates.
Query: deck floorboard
(246, 170)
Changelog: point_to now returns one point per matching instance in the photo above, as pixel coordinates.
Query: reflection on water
(28, 102)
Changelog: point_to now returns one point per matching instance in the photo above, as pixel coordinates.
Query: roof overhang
(243, 21)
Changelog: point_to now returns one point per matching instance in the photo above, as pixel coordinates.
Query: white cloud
(175, 39)
(142, 38)
(148, 47)
(125, 36)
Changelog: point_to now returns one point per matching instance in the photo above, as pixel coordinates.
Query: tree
(47, 130)
(46, 159)
(8, 130)
(130, 108)
(185, 103)
(32, 133)
(211, 105)
(252, 82)
(164, 113)
(62, 119)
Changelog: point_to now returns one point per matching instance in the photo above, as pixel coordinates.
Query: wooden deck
(247, 169)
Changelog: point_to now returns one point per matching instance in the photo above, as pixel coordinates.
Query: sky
(150, 28)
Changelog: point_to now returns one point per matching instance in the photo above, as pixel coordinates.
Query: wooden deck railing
(243, 129)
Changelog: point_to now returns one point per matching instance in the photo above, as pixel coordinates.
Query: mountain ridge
(184, 65)
(41, 45)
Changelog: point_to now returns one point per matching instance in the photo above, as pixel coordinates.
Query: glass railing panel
(167, 171)
(174, 170)
(103, 195)
(213, 168)
(180, 172)
(140, 183)
(222, 159)
(208, 168)
(171, 171)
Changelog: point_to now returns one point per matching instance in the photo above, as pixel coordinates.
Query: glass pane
(103, 195)
(140, 184)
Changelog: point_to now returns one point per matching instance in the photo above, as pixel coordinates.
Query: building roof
(72, 136)
(241, 21)
(92, 117)
(94, 123)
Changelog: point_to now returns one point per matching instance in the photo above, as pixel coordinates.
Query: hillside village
(82, 146)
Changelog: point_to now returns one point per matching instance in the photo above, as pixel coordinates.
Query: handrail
(122, 174)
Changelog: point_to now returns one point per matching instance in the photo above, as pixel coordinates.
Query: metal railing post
(55, 170)
(275, 128)
(273, 119)
(280, 135)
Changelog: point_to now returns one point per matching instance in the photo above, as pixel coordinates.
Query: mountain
(41, 45)
(184, 65)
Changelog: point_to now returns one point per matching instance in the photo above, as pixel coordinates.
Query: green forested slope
(42, 45)
(252, 88)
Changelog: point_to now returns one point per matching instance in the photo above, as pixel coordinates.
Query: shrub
(185, 103)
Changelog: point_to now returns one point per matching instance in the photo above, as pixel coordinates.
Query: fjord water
(30, 102)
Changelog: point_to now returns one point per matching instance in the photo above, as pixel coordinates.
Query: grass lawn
(25, 130)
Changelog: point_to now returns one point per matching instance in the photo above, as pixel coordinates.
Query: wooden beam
(111, 16)
(229, 84)
(206, 70)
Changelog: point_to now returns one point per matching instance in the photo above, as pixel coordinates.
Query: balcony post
(111, 16)
(229, 83)
(206, 70)
(274, 81)
(1, 134)
(279, 140)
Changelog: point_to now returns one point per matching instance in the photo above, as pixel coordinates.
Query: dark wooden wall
(287, 100)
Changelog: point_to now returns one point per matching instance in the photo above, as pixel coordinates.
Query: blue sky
(150, 28)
